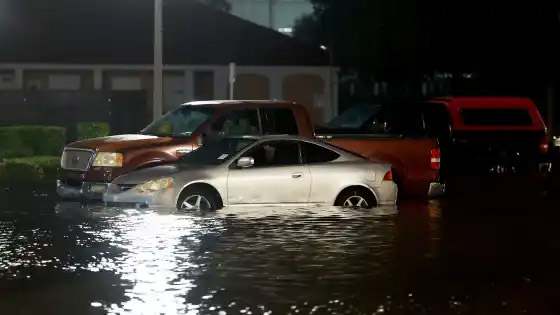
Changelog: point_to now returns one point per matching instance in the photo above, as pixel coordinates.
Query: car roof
(485, 102)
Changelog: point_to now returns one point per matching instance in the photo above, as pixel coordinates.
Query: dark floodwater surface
(468, 254)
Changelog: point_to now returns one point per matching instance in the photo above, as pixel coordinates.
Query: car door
(278, 176)
(325, 175)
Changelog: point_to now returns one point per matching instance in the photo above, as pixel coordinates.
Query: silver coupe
(270, 170)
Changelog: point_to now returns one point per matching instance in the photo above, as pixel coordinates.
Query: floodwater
(492, 250)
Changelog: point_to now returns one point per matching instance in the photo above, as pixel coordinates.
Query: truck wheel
(197, 200)
(356, 197)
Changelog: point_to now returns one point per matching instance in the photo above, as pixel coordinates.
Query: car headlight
(155, 185)
(108, 159)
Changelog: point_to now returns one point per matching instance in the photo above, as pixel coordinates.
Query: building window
(64, 82)
(7, 81)
(126, 84)
(203, 85)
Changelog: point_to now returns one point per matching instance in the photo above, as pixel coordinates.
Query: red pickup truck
(488, 134)
(88, 166)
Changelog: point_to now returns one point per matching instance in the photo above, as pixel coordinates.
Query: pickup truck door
(277, 176)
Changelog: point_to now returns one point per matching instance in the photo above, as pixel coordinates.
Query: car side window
(238, 123)
(278, 121)
(313, 153)
(275, 153)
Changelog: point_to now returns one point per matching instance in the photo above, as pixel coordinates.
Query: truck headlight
(108, 159)
(155, 185)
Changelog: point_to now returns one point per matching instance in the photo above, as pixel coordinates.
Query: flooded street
(466, 254)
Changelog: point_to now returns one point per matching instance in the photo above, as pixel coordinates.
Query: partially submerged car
(269, 170)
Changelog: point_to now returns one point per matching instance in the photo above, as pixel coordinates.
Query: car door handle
(297, 175)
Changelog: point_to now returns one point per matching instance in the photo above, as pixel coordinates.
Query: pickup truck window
(181, 122)
(355, 117)
(217, 152)
(238, 123)
(437, 120)
(496, 117)
(392, 119)
(313, 153)
(278, 121)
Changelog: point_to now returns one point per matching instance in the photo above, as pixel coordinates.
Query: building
(279, 15)
(62, 52)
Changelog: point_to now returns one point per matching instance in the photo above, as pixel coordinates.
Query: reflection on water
(326, 260)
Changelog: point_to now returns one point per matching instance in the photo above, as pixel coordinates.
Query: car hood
(144, 175)
(121, 143)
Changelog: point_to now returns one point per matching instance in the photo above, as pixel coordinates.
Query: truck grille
(76, 159)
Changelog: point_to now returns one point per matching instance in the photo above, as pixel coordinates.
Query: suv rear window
(496, 117)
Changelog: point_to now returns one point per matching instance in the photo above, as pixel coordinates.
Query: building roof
(121, 32)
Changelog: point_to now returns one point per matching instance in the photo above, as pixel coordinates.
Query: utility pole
(271, 13)
(158, 60)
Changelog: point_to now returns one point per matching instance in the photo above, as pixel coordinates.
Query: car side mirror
(246, 162)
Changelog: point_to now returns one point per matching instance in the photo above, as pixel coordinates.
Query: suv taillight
(435, 159)
(543, 145)
(388, 176)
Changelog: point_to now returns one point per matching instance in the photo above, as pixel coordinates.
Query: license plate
(73, 175)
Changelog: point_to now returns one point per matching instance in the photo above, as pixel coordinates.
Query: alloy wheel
(196, 202)
(355, 202)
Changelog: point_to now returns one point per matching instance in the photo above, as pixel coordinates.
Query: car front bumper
(135, 199)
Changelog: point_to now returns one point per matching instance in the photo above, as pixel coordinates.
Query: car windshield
(354, 117)
(217, 152)
(181, 122)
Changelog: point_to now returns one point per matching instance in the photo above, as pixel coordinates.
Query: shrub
(11, 144)
(24, 141)
(30, 169)
(89, 130)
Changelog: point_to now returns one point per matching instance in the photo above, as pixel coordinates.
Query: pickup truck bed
(410, 157)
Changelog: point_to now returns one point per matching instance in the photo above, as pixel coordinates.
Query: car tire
(198, 200)
(356, 197)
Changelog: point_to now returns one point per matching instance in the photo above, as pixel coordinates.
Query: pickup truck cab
(88, 166)
(488, 134)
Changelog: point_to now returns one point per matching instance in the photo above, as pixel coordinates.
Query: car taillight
(388, 176)
(543, 146)
(435, 159)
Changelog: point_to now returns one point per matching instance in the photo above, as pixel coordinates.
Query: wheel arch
(203, 186)
(354, 186)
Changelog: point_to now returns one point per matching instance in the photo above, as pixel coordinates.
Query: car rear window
(496, 117)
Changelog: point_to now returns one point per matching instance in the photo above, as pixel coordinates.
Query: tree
(382, 36)
(404, 39)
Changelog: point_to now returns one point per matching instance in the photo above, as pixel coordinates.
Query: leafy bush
(30, 169)
(89, 130)
(24, 141)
